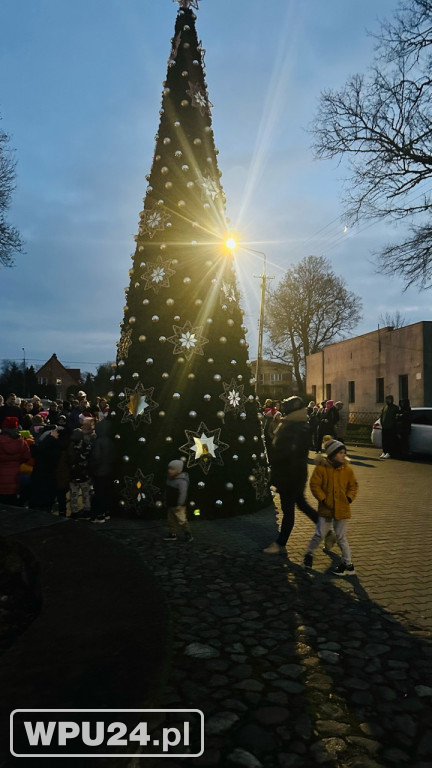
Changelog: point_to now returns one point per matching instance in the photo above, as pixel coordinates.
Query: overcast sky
(80, 96)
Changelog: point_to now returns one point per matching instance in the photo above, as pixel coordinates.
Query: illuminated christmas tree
(183, 381)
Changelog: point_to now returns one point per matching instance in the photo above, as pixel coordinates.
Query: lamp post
(24, 372)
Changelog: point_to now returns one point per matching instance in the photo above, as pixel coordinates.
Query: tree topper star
(187, 3)
(139, 490)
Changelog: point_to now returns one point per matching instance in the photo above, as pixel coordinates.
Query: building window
(314, 392)
(261, 378)
(43, 381)
(58, 382)
(328, 391)
(380, 390)
(351, 391)
(403, 387)
(275, 377)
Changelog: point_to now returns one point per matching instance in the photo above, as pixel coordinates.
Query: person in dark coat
(14, 451)
(289, 468)
(10, 409)
(101, 467)
(43, 484)
(389, 428)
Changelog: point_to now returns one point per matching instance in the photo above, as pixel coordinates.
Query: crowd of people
(48, 455)
(65, 455)
(322, 419)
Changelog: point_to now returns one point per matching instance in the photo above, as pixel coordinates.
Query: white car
(420, 439)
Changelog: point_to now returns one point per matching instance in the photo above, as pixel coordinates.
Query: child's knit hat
(176, 464)
(10, 422)
(333, 446)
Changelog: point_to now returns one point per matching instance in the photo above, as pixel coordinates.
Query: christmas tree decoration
(182, 379)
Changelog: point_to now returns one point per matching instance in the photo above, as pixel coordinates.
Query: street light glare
(230, 243)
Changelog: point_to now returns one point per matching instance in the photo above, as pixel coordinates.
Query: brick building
(53, 373)
(362, 371)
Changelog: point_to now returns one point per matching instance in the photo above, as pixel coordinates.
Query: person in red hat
(14, 451)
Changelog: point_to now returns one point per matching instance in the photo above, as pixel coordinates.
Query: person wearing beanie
(176, 488)
(14, 451)
(289, 456)
(334, 484)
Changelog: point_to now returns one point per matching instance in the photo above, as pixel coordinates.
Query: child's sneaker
(170, 537)
(307, 561)
(344, 569)
(188, 537)
(329, 541)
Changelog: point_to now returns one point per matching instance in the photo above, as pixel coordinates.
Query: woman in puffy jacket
(14, 451)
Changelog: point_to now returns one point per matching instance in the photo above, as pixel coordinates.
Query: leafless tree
(395, 320)
(10, 239)
(311, 307)
(382, 123)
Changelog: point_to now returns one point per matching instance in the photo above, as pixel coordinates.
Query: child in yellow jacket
(334, 484)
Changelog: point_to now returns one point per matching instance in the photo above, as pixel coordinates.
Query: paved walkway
(302, 669)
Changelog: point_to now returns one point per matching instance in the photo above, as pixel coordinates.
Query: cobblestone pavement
(293, 668)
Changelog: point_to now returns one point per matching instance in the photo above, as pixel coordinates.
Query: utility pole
(263, 277)
(24, 372)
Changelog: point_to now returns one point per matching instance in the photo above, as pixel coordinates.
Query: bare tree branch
(382, 123)
(10, 240)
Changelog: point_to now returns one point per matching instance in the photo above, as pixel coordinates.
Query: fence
(359, 426)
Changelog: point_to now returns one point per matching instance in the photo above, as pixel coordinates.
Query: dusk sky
(80, 97)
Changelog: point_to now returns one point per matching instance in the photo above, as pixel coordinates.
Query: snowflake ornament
(137, 405)
(139, 490)
(203, 447)
(156, 275)
(124, 344)
(188, 340)
(199, 98)
(152, 220)
(233, 396)
(209, 187)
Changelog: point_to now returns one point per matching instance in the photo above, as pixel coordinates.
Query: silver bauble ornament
(229, 486)
(207, 398)
(132, 320)
(241, 439)
(193, 414)
(126, 459)
(176, 396)
(235, 457)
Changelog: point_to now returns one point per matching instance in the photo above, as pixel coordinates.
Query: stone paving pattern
(295, 668)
